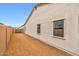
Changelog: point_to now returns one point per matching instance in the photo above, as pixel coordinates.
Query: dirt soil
(24, 45)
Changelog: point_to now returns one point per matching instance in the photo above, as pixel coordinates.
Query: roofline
(30, 14)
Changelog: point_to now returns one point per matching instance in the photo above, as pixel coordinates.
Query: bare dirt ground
(24, 45)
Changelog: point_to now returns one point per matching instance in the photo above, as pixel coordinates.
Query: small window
(38, 28)
(58, 28)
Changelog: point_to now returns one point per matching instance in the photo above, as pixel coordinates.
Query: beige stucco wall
(5, 35)
(45, 16)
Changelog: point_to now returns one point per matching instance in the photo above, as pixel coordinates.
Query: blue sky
(15, 14)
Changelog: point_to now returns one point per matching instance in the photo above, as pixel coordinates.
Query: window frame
(62, 32)
(38, 28)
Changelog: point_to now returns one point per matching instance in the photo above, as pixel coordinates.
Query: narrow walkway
(24, 45)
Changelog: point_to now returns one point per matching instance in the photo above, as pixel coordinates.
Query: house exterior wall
(45, 16)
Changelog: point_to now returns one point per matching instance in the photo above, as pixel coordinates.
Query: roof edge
(31, 13)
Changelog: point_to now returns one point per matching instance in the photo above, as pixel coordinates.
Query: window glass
(38, 28)
(58, 28)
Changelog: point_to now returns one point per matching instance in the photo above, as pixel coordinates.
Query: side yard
(24, 45)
